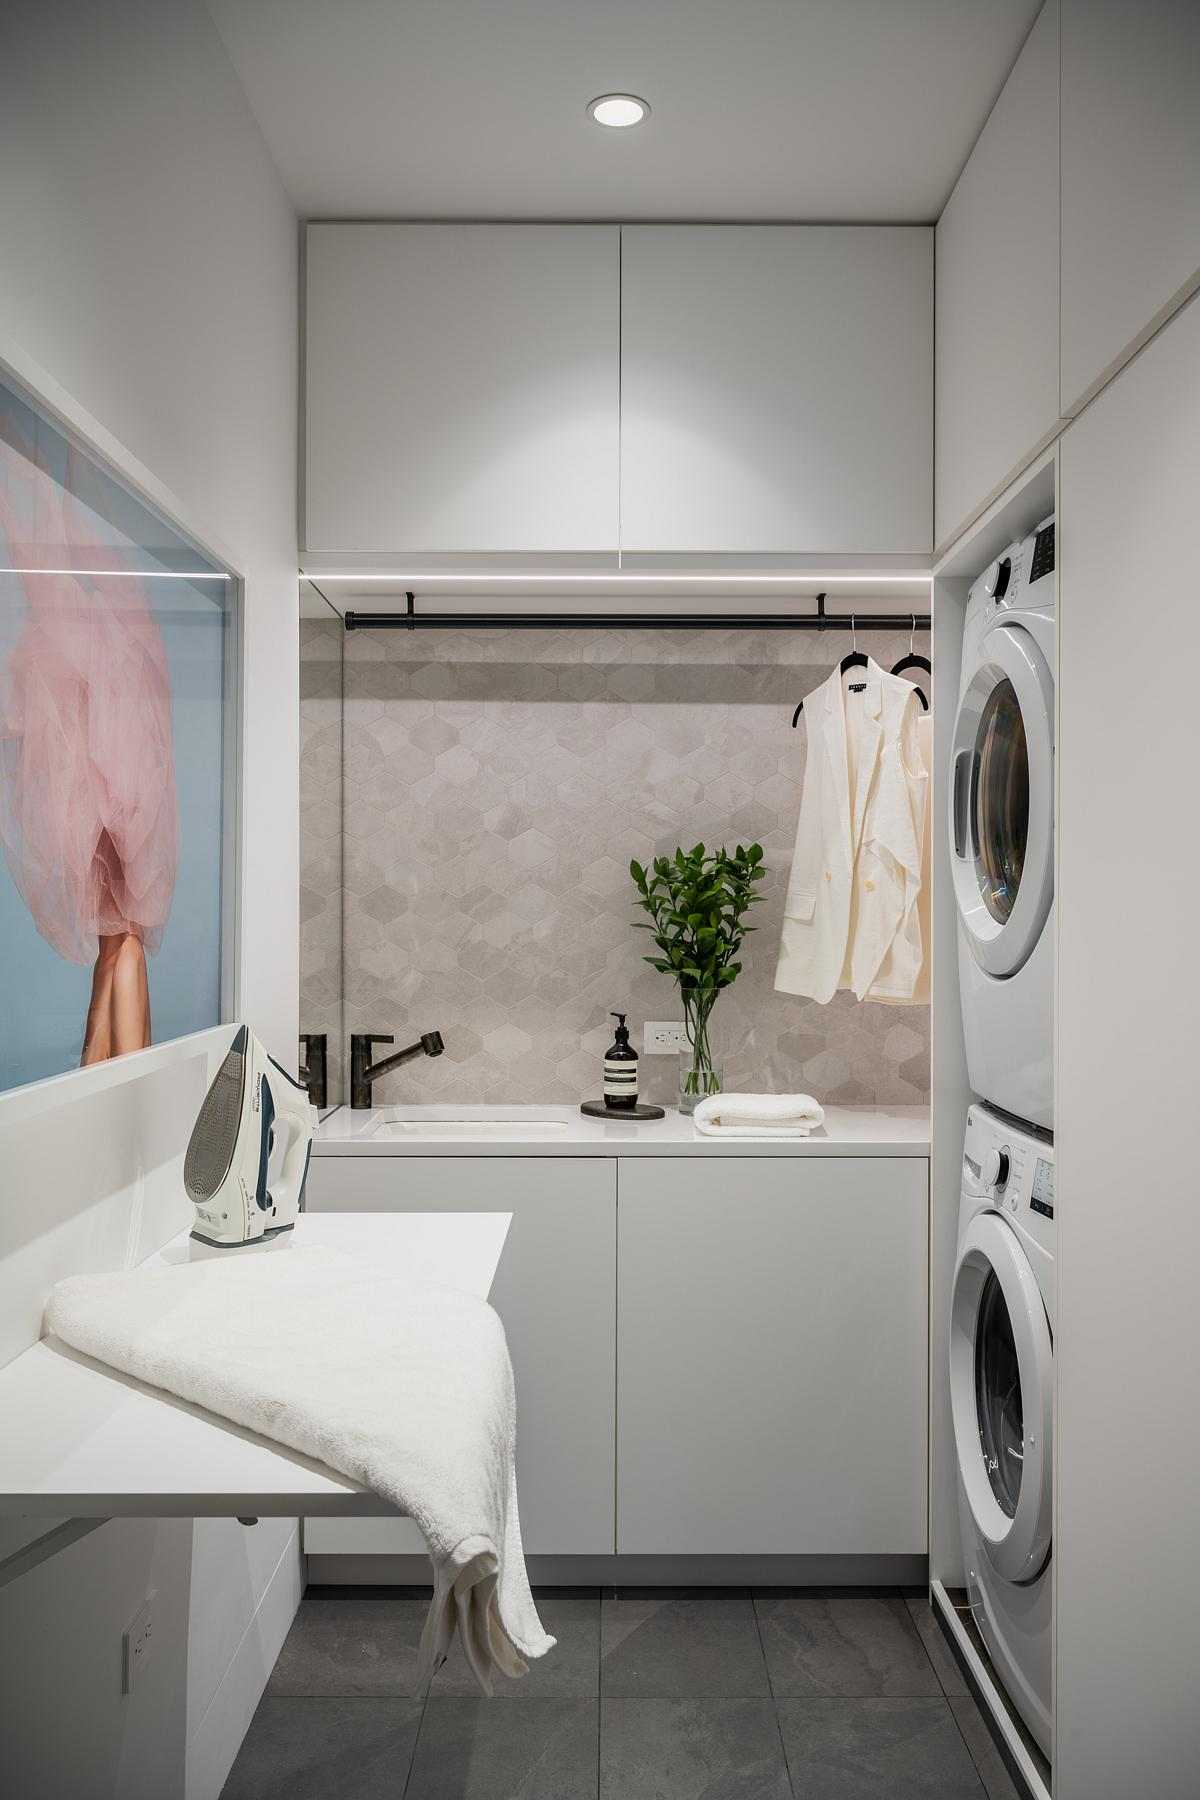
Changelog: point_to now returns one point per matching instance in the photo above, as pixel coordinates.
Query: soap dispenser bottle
(620, 1071)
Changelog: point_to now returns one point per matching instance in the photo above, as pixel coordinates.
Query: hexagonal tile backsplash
(496, 786)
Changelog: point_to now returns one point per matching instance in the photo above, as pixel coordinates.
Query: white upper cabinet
(997, 292)
(462, 388)
(776, 389)
(1130, 178)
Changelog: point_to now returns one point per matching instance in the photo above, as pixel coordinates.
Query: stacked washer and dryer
(1002, 1311)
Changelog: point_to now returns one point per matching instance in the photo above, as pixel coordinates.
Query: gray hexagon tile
(496, 788)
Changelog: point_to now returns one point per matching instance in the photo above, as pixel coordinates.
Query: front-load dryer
(1002, 828)
(1001, 1397)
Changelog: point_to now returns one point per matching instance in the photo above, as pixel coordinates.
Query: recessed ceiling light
(618, 110)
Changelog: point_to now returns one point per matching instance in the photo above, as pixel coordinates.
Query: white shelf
(83, 1441)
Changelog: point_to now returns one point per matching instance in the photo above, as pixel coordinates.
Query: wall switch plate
(664, 1037)
(137, 1643)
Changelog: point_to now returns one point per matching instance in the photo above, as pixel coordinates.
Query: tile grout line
(787, 1767)
(599, 1677)
(984, 1788)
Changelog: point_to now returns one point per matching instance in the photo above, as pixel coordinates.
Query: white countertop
(450, 1130)
(80, 1440)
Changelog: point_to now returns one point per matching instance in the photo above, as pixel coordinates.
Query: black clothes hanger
(914, 661)
(854, 659)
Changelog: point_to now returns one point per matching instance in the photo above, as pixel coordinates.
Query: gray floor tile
(937, 1649)
(853, 1648)
(351, 1641)
(570, 1670)
(685, 1749)
(313, 1749)
(989, 1764)
(876, 1750)
(476, 1750)
(665, 1646)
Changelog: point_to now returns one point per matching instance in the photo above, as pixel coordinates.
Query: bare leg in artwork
(119, 1013)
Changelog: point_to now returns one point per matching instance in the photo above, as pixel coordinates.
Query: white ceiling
(762, 109)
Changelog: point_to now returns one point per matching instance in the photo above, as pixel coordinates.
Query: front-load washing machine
(1001, 1397)
(1002, 828)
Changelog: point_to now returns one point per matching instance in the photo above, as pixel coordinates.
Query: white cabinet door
(771, 1356)
(462, 388)
(776, 389)
(1128, 1454)
(555, 1290)
(1130, 177)
(997, 292)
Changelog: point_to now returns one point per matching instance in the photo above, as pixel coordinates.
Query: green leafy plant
(697, 901)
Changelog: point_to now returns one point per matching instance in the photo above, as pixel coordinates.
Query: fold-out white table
(79, 1441)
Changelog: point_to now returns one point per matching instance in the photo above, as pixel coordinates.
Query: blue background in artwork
(43, 998)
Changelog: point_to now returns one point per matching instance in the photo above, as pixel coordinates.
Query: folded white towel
(758, 1115)
(405, 1388)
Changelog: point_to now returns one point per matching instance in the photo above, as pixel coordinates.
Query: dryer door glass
(1000, 801)
(998, 1397)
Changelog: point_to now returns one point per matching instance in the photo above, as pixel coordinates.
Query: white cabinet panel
(1130, 176)
(1128, 1454)
(776, 389)
(555, 1291)
(772, 1372)
(997, 292)
(462, 388)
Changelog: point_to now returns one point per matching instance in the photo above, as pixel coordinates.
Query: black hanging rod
(411, 620)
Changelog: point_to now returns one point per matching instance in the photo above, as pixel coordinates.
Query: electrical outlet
(137, 1643)
(664, 1038)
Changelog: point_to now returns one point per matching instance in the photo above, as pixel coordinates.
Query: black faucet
(363, 1071)
(314, 1067)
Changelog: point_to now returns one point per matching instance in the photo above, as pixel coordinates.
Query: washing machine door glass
(998, 1397)
(1001, 1396)
(1001, 813)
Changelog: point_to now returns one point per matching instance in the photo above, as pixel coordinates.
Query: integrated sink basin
(469, 1121)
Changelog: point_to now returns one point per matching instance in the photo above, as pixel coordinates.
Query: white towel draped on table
(758, 1115)
(405, 1388)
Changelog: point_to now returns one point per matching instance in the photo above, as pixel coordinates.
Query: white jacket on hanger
(891, 977)
(851, 904)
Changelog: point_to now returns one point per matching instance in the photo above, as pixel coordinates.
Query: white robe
(851, 914)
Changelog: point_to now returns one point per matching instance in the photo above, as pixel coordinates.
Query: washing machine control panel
(1041, 1198)
(1007, 1166)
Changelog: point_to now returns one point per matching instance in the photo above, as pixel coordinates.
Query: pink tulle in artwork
(88, 812)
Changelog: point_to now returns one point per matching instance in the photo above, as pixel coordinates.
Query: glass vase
(699, 1075)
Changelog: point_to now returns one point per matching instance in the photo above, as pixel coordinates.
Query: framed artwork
(118, 672)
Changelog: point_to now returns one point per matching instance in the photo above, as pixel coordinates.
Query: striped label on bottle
(620, 1080)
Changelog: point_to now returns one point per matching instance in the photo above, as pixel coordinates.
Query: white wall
(150, 267)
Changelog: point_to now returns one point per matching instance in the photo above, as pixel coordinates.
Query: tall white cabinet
(461, 390)
(776, 389)
(1128, 1453)
(1130, 177)
(997, 292)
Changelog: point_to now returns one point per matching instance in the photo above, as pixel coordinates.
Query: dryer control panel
(1008, 581)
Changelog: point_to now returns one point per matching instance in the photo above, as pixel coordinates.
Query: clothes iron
(247, 1157)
